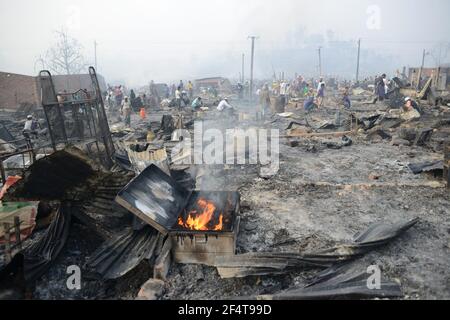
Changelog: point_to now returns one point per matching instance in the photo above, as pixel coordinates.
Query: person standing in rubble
(126, 111)
(240, 89)
(185, 101)
(264, 99)
(386, 85)
(214, 91)
(319, 84)
(306, 89)
(118, 94)
(178, 98)
(346, 98)
(190, 89)
(283, 94)
(380, 88)
(132, 96)
(321, 95)
(309, 103)
(375, 85)
(30, 127)
(181, 86)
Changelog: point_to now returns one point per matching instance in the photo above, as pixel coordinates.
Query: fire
(199, 220)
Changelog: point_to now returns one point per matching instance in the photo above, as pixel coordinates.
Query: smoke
(172, 40)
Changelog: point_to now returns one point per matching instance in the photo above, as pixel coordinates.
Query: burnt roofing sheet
(154, 197)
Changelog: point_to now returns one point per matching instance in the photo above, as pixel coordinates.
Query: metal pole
(251, 67)
(440, 52)
(357, 64)
(243, 77)
(320, 62)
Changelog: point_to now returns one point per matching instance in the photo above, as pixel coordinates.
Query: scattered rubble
(126, 206)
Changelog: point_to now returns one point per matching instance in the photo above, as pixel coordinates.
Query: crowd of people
(119, 100)
(312, 92)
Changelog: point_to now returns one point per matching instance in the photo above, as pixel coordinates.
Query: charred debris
(118, 201)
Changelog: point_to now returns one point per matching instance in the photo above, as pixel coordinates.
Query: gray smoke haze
(171, 40)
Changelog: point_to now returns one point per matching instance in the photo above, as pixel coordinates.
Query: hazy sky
(167, 40)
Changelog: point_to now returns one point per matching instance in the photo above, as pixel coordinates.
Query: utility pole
(251, 67)
(440, 52)
(357, 63)
(243, 77)
(95, 54)
(320, 62)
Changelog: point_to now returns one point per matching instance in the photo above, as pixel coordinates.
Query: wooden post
(7, 242)
(17, 232)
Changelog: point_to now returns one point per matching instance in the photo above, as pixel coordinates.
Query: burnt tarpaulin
(427, 166)
(344, 281)
(38, 257)
(116, 257)
(263, 263)
(376, 235)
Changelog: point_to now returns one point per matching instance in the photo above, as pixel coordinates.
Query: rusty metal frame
(93, 114)
(103, 120)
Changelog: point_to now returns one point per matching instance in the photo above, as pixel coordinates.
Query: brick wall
(16, 89)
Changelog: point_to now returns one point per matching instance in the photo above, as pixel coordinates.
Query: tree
(440, 53)
(65, 57)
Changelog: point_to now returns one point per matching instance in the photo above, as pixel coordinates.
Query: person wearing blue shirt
(197, 103)
(309, 103)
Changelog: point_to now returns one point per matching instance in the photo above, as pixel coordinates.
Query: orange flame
(200, 221)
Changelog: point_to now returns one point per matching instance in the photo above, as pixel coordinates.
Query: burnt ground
(320, 197)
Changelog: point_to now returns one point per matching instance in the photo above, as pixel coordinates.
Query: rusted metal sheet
(205, 249)
(154, 197)
(117, 256)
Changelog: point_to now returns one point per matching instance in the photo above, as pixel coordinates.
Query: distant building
(17, 90)
(441, 76)
(222, 85)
